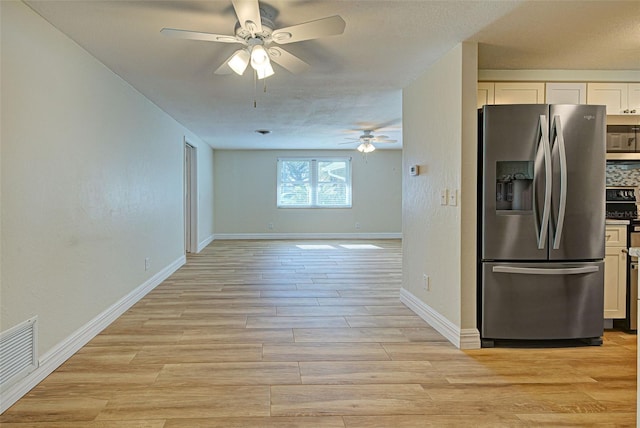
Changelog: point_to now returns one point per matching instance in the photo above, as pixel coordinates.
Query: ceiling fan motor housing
(267, 29)
(267, 15)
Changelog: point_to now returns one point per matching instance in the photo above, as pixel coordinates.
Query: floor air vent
(18, 352)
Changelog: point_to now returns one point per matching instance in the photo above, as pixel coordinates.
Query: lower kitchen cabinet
(615, 272)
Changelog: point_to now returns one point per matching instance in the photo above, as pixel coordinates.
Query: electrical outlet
(270, 226)
(443, 197)
(453, 198)
(357, 225)
(427, 282)
(147, 263)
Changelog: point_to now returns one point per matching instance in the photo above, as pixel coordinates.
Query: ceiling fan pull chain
(255, 85)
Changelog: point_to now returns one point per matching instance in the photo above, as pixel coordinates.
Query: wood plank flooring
(266, 334)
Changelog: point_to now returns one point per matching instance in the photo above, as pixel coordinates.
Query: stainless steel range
(621, 203)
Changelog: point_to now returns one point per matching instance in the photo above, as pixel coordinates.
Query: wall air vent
(18, 352)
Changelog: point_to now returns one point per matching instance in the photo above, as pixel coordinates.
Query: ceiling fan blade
(248, 12)
(331, 26)
(196, 35)
(385, 141)
(290, 62)
(381, 137)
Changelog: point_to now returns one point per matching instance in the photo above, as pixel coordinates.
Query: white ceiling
(356, 78)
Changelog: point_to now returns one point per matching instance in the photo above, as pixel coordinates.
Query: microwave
(623, 138)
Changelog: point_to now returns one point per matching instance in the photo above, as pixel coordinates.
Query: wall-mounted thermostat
(414, 170)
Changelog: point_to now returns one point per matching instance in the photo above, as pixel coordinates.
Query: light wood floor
(265, 334)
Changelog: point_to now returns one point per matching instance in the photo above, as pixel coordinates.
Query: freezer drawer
(541, 301)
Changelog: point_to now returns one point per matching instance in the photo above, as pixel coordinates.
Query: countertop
(614, 221)
(634, 251)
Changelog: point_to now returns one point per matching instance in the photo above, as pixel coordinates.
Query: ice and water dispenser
(514, 186)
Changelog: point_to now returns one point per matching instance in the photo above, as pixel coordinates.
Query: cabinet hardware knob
(626, 111)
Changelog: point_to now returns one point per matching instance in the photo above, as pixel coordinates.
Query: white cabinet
(566, 93)
(486, 91)
(615, 272)
(519, 93)
(634, 98)
(620, 98)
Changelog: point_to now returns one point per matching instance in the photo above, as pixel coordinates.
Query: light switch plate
(453, 198)
(443, 197)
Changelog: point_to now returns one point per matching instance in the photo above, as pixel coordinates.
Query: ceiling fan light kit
(366, 147)
(256, 32)
(367, 139)
(239, 61)
(260, 59)
(265, 71)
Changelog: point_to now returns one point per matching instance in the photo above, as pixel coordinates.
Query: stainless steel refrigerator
(541, 222)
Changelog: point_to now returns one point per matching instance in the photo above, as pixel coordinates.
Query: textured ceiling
(356, 78)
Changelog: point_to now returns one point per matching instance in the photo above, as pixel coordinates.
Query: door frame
(190, 197)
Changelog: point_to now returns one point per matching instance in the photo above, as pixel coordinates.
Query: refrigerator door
(516, 182)
(578, 152)
(540, 301)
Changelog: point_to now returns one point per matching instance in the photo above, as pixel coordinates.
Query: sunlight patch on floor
(315, 247)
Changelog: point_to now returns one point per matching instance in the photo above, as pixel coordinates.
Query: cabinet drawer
(616, 236)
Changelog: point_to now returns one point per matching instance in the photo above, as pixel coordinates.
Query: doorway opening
(190, 199)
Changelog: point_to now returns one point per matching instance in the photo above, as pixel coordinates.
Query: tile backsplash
(623, 174)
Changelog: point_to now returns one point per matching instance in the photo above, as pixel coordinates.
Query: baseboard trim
(240, 236)
(202, 245)
(54, 358)
(467, 338)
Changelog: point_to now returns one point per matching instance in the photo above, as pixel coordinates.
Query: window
(314, 182)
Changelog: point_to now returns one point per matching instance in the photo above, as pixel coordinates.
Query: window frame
(313, 181)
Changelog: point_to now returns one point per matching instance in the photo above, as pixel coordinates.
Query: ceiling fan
(257, 33)
(367, 139)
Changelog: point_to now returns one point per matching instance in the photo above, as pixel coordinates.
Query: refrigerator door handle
(544, 145)
(545, 271)
(562, 206)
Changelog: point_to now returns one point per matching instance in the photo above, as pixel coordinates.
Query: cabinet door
(616, 236)
(519, 93)
(634, 98)
(485, 93)
(612, 95)
(566, 93)
(615, 282)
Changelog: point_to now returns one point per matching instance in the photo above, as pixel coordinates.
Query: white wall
(245, 188)
(439, 134)
(92, 182)
(205, 157)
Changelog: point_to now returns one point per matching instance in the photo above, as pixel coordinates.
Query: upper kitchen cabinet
(519, 93)
(566, 93)
(620, 98)
(486, 91)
